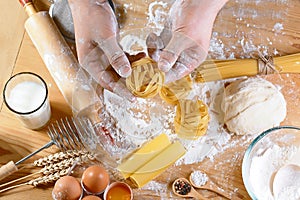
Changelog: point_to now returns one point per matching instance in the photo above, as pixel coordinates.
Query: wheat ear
(41, 180)
(66, 160)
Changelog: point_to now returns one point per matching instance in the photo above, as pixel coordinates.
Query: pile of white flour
(264, 167)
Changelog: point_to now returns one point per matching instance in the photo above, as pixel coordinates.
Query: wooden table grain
(19, 54)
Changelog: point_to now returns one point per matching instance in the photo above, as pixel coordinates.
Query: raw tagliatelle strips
(191, 120)
(146, 79)
(177, 90)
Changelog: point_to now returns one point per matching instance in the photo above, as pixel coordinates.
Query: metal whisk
(66, 134)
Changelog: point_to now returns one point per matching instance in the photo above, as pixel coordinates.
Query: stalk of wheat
(53, 166)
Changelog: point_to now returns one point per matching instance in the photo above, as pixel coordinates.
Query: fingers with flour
(190, 23)
(154, 45)
(180, 46)
(96, 31)
(111, 81)
(116, 56)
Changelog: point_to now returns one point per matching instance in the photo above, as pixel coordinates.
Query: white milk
(25, 98)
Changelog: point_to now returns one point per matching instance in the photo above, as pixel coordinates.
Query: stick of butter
(158, 164)
(143, 155)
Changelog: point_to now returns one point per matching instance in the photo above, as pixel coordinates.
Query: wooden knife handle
(7, 169)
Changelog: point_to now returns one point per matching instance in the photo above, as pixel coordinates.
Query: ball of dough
(252, 106)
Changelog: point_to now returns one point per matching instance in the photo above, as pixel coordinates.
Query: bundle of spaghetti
(212, 70)
(146, 79)
(191, 119)
(177, 90)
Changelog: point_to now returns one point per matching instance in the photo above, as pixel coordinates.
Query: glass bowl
(269, 151)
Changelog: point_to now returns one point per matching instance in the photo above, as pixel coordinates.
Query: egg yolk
(118, 192)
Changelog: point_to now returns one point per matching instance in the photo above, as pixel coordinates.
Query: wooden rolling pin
(59, 59)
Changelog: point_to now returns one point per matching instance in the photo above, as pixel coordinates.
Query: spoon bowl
(183, 188)
(204, 182)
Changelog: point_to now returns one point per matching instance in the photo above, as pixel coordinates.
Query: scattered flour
(278, 27)
(145, 118)
(133, 44)
(134, 41)
(157, 14)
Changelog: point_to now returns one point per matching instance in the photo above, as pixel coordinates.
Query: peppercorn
(182, 187)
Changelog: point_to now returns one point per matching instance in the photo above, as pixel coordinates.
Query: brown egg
(95, 179)
(67, 188)
(91, 197)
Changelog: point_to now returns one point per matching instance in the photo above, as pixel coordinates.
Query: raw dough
(252, 105)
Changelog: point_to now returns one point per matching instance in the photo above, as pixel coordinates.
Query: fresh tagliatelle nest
(177, 90)
(146, 79)
(191, 120)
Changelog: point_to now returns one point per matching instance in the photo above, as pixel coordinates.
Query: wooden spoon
(286, 176)
(183, 188)
(208, 184)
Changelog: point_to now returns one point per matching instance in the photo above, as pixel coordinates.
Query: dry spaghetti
(212, 70)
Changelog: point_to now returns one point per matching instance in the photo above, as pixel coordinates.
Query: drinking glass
(26, 95)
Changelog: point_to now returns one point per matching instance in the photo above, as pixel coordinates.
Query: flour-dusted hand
(186, 37)
(96, 31)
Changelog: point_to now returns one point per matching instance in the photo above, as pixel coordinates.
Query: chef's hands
(183, 44)
(181, 47)
(96, 31)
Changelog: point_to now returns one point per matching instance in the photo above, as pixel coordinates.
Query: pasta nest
(191, 119)
(177, 90)
(146, 79)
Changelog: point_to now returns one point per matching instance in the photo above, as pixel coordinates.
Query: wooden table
(18, 54)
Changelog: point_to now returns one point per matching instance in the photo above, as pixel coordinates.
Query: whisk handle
(7, 169)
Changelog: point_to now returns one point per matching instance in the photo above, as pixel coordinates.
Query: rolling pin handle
(7, 169)
(28, 6)
(24, 2)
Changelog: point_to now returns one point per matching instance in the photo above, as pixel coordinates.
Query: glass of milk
(26, 94)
